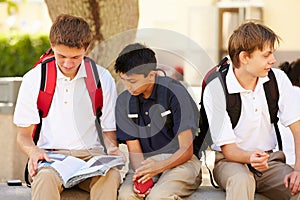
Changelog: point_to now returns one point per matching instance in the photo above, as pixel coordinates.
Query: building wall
(283, 17)
(198, 20)
(32, 17)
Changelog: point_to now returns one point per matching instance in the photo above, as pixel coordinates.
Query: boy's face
(260, 62)
(68, 59)
(138, 84)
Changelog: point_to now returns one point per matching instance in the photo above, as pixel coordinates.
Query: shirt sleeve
(26, 112)
(108, 121)
(219, 122)
(185, 111)
(126, 128)
(289, 107)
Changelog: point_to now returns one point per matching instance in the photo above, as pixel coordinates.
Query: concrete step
(23, 192)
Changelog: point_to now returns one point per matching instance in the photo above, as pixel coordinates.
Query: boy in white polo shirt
(69, 127)
(248, 146)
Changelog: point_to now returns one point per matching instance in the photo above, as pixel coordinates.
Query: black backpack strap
(233, 101)
(234, 107)
(272, 96)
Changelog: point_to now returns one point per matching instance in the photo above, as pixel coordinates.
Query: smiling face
(138, 84)
(259, 62)
(68, 59)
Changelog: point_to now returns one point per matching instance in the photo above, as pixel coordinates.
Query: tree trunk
(113, 24)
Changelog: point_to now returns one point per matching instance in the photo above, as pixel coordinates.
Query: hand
(117, 152)
(147, 170)
(292, 181)
(35, 155)
(259, 160)
(139, 194)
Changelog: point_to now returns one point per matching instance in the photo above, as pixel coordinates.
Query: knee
(46, 178)
(241, 179)
(125, 192)
(126, 196)
(46, 174)
(114, 173)
(155, 196)
(112, 178)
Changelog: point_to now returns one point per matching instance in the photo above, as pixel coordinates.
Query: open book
(73, 170)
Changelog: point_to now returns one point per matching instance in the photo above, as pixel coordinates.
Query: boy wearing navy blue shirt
(157, 118)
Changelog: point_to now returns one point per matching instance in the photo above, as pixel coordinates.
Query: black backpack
(233, 104)
(233, 107)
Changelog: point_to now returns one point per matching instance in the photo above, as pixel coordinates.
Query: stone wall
(11, 158)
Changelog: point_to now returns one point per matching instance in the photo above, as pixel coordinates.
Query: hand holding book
(73, 170)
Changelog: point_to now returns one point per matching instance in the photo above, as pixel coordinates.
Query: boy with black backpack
(157, 118)
(61, 103)
(244, 129)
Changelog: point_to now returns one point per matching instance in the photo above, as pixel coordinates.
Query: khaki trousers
(47, 185)
(240, 183)
(175, 183)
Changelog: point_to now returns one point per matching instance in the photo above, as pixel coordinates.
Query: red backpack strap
(93, 85)
(48, 54)
(47, 88)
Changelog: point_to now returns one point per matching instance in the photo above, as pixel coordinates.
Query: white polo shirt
(70, 123)
(254, 130)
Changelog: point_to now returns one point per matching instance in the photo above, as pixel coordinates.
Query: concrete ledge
(23, 192)
(209, 192)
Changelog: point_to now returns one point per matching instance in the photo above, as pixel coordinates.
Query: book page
(65, 165)
(73, 170)
(101, 164)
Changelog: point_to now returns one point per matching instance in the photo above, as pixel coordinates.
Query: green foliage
(12, 6)
(20, 52)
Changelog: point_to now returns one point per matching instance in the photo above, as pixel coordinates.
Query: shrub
(20, 52)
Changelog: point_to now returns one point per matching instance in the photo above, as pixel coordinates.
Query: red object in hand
(143, 187)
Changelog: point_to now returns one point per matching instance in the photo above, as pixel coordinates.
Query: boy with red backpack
(57, 105)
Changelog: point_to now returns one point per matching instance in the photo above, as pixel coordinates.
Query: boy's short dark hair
(292, 70)
(70, 31)
(136, 59)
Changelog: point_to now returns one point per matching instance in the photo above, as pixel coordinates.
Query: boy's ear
(243, 57)
(152, 75)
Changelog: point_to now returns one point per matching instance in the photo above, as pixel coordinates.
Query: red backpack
(48, 83)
